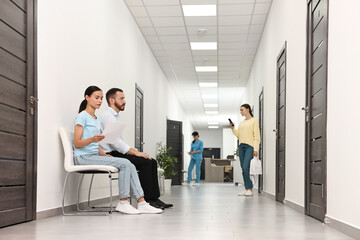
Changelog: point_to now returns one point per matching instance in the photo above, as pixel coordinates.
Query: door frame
(261, 123)
(137, 88)
(307, 115)
(282, 51)
(31, 121)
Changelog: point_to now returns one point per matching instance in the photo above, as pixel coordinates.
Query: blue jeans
(246, 153)
(198, 169)
(128, 177)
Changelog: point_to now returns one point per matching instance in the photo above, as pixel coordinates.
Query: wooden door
(281, 125)
(17, 112)
(174, 140)
(139, 118)
(316, 109)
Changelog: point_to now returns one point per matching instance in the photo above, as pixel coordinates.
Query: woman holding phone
(88, 152)
(248, 134)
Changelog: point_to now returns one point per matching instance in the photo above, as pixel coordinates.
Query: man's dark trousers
(147, 174)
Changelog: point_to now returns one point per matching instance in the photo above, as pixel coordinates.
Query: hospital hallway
(211, 211)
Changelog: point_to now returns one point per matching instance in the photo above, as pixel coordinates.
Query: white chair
(67, 139)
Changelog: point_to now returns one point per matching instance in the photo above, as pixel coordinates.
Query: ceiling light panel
(213, 127)
(208, 84)
(211, 112)
(211, 105)
(206, 68)
(199, 10)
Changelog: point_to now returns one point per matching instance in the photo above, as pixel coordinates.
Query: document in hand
(112, 131)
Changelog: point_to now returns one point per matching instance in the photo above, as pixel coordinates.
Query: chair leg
(91, 182)
(63, 195)
(78, 193)
(111, 196)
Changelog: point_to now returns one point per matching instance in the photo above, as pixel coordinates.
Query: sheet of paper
(112, 131)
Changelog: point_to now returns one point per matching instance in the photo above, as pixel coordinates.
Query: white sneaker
(248, 193)
(195, 184)
(126, 208)
(242, 193)
(185, 184)
(147, 209)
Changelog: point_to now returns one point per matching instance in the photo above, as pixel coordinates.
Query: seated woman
(88, 152)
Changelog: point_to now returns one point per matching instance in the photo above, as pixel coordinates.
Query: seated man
(146, 166)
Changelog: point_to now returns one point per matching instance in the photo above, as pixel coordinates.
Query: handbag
(255, 166)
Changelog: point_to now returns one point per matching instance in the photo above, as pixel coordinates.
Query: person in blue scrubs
(197, 148)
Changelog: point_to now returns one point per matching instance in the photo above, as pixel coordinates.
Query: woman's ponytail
(83, 105)
(88, 92)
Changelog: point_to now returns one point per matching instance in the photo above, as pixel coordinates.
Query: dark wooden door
(139, 118)
(281, 125)
(17, 115)
(316, 109)
(261, 147)
(174, 140)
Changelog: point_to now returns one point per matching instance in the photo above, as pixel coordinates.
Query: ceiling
(237, 29)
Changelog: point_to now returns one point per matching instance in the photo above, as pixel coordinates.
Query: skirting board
(343, 227)
(295, 206)
(339, 226)
(58, 211)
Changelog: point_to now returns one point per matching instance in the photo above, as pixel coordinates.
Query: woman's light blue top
(197, 146)
(91, 128)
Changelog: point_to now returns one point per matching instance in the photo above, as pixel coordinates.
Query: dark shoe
(155, 205)
(162, 204)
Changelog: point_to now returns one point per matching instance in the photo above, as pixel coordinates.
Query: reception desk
(215, 169)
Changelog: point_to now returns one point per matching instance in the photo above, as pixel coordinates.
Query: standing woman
(248, 134)
(88, 152)
(197, 148)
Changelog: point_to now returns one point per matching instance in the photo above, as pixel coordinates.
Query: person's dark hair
(195, 134)
(247, 106)
(88, 92)
(111, 94)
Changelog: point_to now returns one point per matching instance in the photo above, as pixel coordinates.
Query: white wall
(94, 42)
(212, 138)
(343, 165)
(286, 22)
(229, 142)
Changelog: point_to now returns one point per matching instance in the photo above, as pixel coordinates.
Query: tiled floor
(210, 211)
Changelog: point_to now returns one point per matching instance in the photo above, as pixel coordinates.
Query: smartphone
(232, 124)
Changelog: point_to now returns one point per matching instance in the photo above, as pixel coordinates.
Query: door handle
(142, 143)
(32, 101)
(306, 109)
(275, 130)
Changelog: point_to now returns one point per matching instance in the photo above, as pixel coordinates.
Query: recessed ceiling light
(213, 123)
(199, 10)
(213, 126)
(209, 96)
(210, 105)
(208, 84)
(211, 112)
(203, 45)
(206, 68)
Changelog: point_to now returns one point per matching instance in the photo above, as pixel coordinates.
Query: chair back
(67, 139)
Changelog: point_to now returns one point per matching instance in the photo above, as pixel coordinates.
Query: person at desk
(248, 134)
(197, 148)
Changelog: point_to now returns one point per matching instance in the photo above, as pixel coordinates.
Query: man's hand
(142, 154)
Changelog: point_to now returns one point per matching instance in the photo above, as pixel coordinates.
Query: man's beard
(120, 107)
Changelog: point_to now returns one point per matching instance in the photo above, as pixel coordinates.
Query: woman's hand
(190, 153)
(255, 154)
(231, 126)
(98, 138)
